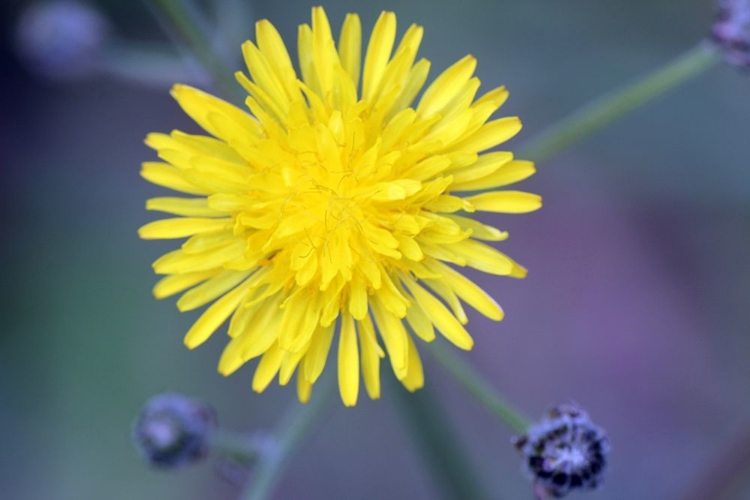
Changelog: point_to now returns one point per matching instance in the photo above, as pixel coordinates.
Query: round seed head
(731, 32)
(172, 430)
(61, 39)
(565, 451)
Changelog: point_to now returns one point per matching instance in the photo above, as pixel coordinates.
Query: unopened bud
(731, 32)
(565, 451)
(173, 430)
(61, 39)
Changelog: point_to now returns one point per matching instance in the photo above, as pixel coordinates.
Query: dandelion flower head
(325, 211)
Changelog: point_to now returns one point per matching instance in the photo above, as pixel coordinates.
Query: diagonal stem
(720, 479)
(441, 449)
(478, 387)
(291, 433)
(556, 139)
(192, 30)
(605, 110)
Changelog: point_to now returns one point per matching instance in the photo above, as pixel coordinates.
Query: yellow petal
(169, 177)
(485, 165)
(267, 368)
(468, 291)
(370, 357)
(263, 330)
(304, 388)
(411, 41)
(299, 319)
(446, 86)
(272, 46)
(460, 103)
(201, 107)
(485, 106)
(358, 299)
(348, 362)
(509, 173)
(289, 363)
(202, 242)
(483, 257)
(378, 52)
(478, 230)
(489, 135)
(241, 319)
(393, 300)
(265, 77)
(180, 261)
(324, 50)
(420, 322)
(414, 83)
(449, 204)
(276, 106)
(317, 353)
(394, 335)
(193, 145)
(211, 289)
(443, 319)
(415, 377)
(213, 317)
(396, 72)
(231, 360)
(181, 227)
(409, 247)
(309, 323)
(350, 46)
(187, 207)
(306, 58)
(509, 202)
(170, 285)
(449, 296)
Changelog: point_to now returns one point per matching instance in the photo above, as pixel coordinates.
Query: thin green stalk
(603, 111)
(193, 31)
(440, 448)
(289, 436)
(722, 478)
(478, 387)
(237, 446)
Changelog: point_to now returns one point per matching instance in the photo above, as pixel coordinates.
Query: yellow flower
(332, 213)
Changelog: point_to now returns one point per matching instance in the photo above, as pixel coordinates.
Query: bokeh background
(636, 305)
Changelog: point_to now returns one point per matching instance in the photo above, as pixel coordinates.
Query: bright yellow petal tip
(329, 208)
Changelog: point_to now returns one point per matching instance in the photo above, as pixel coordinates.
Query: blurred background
(636, 304)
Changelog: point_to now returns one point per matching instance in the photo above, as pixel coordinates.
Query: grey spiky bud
(565, 451)
(731, 31)
(173, 430)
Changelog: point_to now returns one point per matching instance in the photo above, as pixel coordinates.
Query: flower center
(319, 207)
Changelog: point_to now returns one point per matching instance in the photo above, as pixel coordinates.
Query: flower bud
(565, 451)
(172, 430)
(61, 39)
(731, 32)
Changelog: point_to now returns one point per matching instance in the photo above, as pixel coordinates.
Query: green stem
(192, 29)
(289, 436)
(618, 103)
(441, 449)
(237, 446)
(478, 387)
(722, 478)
